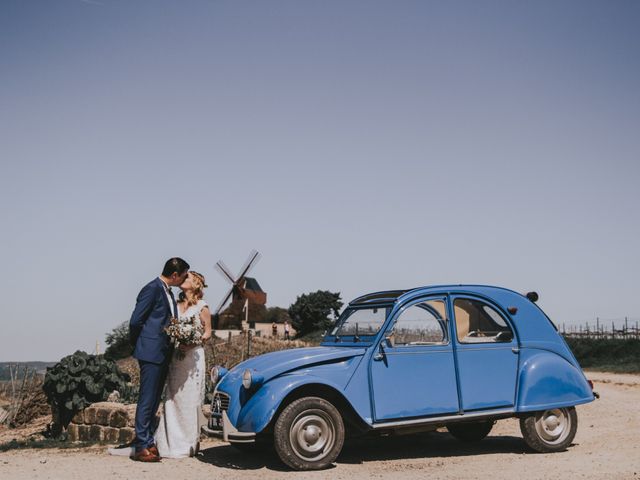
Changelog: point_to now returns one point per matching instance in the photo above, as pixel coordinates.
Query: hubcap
(312, 435)
(553, 426)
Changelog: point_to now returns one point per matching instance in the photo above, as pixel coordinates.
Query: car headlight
(251, 379)
(217, 373)
(246, 379)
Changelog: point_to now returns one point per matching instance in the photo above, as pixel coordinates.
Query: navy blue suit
(153, 350)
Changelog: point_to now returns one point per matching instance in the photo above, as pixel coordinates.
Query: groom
(155, 306)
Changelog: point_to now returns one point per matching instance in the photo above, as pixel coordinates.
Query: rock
(78, 417)
(114, 396)
(96, 433)
(90, 415)
(83, 433)
(111, 434)
(72, 432)
(119, 418)
(102, 415)
(126, 435)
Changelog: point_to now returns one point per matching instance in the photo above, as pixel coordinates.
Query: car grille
(220, 402)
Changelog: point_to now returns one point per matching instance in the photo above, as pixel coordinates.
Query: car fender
(259, 410)
(548, 380)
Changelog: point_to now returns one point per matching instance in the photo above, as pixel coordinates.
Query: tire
(550, 430)
(309, 434)
(471, 431)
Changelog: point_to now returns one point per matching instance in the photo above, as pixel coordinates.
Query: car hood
(273, 364)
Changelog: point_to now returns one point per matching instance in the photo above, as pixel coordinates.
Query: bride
(179, 429)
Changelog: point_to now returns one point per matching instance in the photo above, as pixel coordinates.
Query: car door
(413, 373)
(487, 354)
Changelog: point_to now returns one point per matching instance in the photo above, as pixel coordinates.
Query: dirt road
(607, 446)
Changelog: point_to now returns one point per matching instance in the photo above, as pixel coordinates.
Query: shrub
(119, 345)
(315, 311)
(76, 382)
(610, 354)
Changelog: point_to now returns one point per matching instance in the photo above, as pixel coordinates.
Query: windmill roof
(252, 284)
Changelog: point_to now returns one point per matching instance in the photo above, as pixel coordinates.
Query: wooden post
(13, 388)
(18, 402)
(613, 329)
(626, 326)
(248, 343)
(229, 339)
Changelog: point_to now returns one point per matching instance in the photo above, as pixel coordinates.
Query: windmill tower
(244, 291)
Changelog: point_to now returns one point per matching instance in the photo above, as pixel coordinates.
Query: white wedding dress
(178, 433)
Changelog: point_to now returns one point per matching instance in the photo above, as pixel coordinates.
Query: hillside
(39, 367)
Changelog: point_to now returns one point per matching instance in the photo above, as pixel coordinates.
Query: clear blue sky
(359, 145)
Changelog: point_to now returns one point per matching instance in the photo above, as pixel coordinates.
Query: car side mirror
(504, 336)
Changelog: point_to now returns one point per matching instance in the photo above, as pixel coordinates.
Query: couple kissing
(165, 361)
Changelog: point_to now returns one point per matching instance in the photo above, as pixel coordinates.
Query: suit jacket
(148, 320)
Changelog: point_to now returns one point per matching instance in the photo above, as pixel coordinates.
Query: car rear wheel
(309, 434)
(550, 430)
(471, 431)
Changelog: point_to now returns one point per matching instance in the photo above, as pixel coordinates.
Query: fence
(621, 328)
(16, 391)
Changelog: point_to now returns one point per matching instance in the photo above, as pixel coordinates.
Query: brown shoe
(154, 450)
(145, 455)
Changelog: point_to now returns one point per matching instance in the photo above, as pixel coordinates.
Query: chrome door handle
(515, 350)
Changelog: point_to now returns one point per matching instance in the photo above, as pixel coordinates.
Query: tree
(277, 315)
(315, 311)
(118, 342)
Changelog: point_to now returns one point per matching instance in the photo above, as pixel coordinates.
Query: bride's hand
(206, 337)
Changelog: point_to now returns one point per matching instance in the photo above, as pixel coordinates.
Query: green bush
(610, 354)
(119, 345)
(76, 382)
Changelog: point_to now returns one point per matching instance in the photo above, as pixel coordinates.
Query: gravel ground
(607, 446)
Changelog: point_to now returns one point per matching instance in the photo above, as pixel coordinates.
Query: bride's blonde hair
(199, 285)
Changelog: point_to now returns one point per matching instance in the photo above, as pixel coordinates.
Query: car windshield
(360, 322)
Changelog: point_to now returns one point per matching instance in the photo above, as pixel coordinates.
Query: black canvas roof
(388, 296)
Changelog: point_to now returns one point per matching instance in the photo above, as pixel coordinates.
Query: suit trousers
(152, 380)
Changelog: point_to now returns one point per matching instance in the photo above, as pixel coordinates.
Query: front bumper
(224, 429)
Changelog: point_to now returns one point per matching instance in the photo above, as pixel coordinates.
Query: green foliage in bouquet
(76, 382)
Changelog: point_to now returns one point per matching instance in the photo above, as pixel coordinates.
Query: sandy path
(607, 446)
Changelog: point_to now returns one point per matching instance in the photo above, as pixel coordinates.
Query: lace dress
(179, 429)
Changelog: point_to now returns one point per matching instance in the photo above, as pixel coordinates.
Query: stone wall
(112, 422)
(107, 422)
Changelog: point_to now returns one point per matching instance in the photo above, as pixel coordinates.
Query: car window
(478, 322)
(424, 323)
(360, 322)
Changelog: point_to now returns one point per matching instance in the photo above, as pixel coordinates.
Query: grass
(607, 355)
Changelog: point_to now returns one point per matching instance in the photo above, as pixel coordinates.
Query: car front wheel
(309, 434)
(550, 430)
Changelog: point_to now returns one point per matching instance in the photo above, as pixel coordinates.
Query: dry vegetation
(227, 353)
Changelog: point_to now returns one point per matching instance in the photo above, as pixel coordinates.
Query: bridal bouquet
(184, 332)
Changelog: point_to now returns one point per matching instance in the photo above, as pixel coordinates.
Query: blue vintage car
(454, 356)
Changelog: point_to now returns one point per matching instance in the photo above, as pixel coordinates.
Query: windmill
(244, 291)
